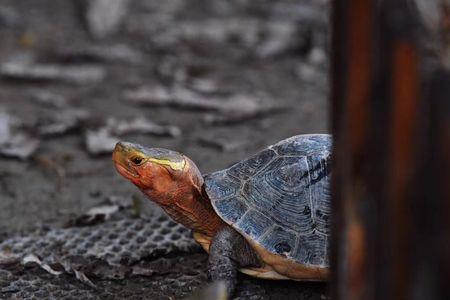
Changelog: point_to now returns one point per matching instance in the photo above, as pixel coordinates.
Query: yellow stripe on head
(178, 166)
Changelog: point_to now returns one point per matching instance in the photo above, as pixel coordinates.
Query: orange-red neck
(195, 212)
(183, 201)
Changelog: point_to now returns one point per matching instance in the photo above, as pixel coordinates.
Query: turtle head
(160, 173)
(170, 179)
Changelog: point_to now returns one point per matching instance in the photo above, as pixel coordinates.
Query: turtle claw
(217, 290)
(225, 276)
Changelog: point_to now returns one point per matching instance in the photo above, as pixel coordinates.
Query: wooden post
(391, 182)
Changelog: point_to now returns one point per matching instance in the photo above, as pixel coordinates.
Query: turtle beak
(118, 153)
(121, 163)
(124, 147)
(121, 151)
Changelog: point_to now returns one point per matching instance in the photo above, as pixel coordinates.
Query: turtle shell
(280, 198)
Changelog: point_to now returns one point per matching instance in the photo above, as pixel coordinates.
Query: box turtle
(267, 216)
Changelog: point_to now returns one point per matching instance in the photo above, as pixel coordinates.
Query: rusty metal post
(353, 69)
(391, 156)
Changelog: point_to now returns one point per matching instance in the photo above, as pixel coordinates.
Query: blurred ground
(217, 80)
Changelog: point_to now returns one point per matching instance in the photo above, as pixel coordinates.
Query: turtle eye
(137, 160)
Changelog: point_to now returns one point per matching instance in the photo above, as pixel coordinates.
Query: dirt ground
(214, 49)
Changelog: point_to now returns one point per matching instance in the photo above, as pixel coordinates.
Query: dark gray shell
(280, 198)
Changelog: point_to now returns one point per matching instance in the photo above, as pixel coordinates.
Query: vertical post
(353, 71)
(391, 182)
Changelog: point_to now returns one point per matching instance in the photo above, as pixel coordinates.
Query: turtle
(267, 216)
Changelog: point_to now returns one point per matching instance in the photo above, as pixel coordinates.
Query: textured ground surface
(68, 93)
(124, 257)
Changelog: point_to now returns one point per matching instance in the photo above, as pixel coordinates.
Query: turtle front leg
(228, 252)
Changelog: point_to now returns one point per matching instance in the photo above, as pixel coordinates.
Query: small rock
(221, 144)
(230, 108)
(96, 215)
(282, 37)
(20, 146)
(240, 108)
(103, 17)
(151, 95)
(47, 98)
(205, 86)
(6, 122)
(95, 53)
(141, 125)
(312, 73)
(318, 57)
(61, 122)
(103, 140)
(14, 142)
(215, 32)
(83, 74)
(100, 141)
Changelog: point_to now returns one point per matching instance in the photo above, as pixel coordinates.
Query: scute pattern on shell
(280, 198)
